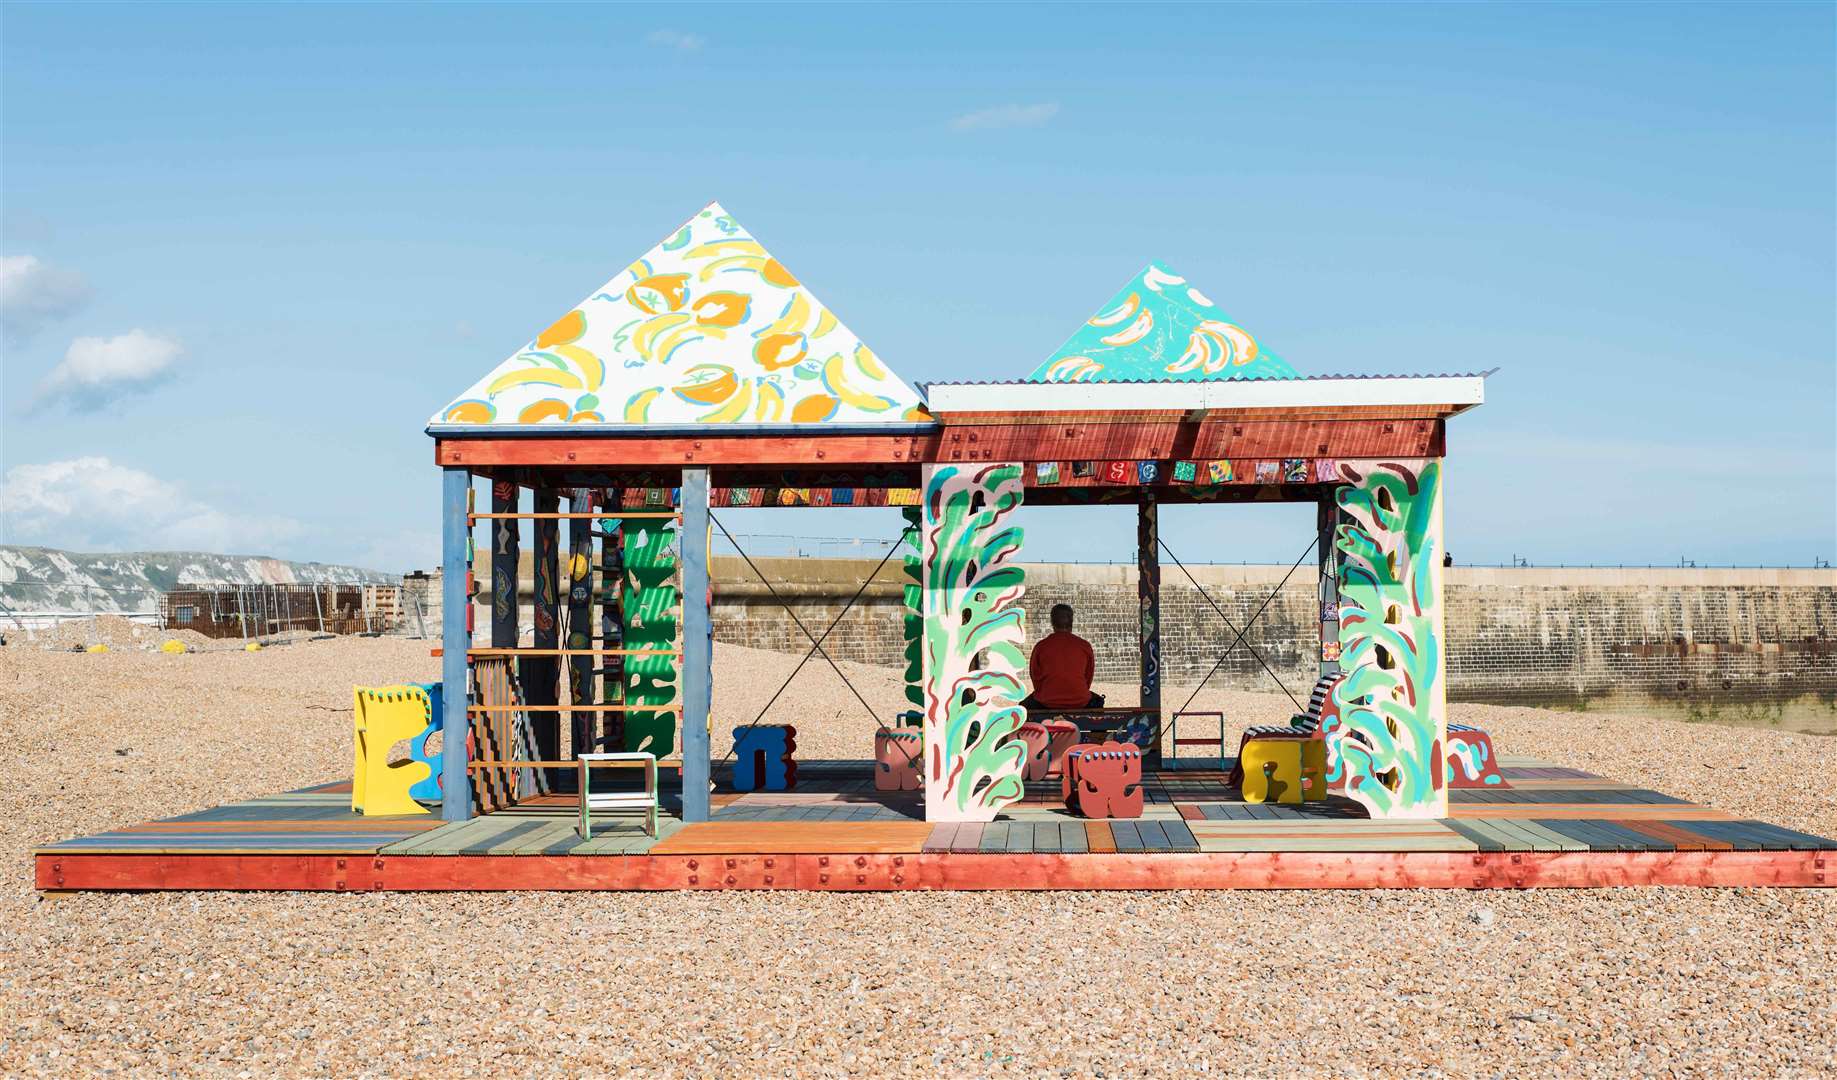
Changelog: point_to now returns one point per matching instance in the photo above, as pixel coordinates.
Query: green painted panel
(652, 607)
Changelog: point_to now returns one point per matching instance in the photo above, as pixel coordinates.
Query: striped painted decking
(1545, 808)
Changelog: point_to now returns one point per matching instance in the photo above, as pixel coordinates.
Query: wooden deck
(1550, 826)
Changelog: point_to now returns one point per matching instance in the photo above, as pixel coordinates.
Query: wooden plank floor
(1542, 808)
(314, 820)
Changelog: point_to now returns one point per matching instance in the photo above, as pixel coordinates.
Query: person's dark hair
(1057, 609)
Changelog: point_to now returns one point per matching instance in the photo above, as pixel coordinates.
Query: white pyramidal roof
(706, 328)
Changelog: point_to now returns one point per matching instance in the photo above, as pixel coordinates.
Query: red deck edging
(937, 870)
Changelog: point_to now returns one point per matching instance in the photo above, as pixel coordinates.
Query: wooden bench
(1108, 723)
(1468, 757)
(1301, 726)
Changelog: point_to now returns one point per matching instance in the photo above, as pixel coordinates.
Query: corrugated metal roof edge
(1193, 382)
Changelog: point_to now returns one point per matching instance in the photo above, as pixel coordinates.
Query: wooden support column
(697, 677)
(540, 674)
(1326, 524)
(612, 620)
(455, 639)
(1148, 594)
(506, 541)
(579, 579)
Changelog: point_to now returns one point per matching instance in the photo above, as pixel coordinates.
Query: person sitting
(1062, 667)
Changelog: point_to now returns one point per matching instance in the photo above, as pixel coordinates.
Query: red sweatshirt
(1062, 668)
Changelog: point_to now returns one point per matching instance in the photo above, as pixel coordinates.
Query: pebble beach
(1662, 982)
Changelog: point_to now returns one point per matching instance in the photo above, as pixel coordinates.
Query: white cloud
(675, 39)
(95, 371)
(1006, 116)
(33, 294)
(91, 503)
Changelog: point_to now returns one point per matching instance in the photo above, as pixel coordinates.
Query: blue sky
(304, 229)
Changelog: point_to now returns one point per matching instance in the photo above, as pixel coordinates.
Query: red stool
(1104, 781)
(1061, 736)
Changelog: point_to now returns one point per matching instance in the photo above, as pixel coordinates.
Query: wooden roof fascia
(1317, 412)
(650, 451)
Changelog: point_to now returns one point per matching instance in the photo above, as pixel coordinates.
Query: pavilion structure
(705, 375)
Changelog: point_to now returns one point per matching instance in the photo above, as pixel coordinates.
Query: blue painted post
(455, 639)
(697, 680)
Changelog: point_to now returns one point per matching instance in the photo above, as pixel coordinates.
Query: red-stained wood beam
(811, 450)
(1068, 441)
(939, 870)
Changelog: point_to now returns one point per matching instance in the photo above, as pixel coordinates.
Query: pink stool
(897, 759)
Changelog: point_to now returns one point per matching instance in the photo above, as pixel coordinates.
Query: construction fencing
(253, 611)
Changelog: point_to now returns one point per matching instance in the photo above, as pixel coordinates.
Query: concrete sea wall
(1575, 637)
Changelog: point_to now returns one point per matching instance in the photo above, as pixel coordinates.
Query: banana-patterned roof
(1158, 328)
(706, 328)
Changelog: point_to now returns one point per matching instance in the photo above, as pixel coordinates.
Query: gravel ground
(115, 632)
(1608, 982)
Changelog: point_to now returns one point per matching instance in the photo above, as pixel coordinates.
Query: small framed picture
(1185, 472)
(1046, 472)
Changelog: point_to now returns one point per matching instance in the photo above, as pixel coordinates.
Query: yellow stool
(1273, 769)
(380, 719)
(1314, 770)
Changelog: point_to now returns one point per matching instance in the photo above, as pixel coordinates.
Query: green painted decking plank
(614, 840)
(545, 836)
(473, 837)
(420, 841)
(1486, 839)
(507, 843)
(1536, 837)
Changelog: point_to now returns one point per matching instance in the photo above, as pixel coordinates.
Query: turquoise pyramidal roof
(1158, 328)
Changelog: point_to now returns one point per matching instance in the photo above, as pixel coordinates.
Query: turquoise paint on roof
(1160, 329)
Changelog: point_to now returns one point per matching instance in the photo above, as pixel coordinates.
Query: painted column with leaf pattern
(912, 618)
(1393, 701)
(973, 638)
